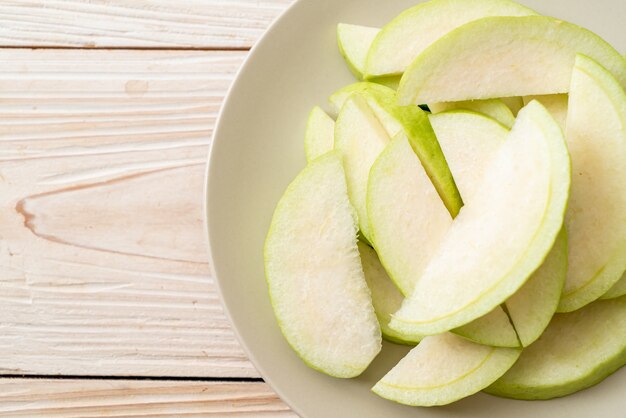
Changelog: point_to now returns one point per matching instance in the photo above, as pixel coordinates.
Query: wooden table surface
(107, 306)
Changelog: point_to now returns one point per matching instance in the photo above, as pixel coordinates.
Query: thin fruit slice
(501, 236)
(385, 295)
(618, 289)
(556, 105)
(494, 108)
(576, 351)
(314, 275)
(354, 42)
(596, 137)
(412, 31)
(360, 138)
(534, 304)
(407, 217)
(319, 137)
(504, 56)
(414, 122)
(442, 369)
(469, 141)
(493, 329)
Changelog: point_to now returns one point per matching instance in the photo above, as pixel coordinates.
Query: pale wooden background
(107, 306)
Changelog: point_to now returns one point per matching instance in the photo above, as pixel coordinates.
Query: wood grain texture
(102, 250)
(137, 23)
(115, 398)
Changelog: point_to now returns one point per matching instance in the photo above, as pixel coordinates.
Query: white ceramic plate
(258, 149)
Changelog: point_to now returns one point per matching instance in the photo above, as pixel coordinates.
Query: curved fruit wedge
(596, 137)
(360, 138)
(493, 329)
(314, 275)
(504, 56)
(442, 369)
(556, 105)
(618, 289)
(386, 297)
(407, 217)
(501, 236)
(469, 141)
(414, 122)
(494, 108)
(412, 31)
(534, 304)
(459, 133)
(354, 42)
(319, 137)
(577, 350)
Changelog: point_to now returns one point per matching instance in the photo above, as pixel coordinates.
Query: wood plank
(102, 249)
(137, 23)
(116, 398)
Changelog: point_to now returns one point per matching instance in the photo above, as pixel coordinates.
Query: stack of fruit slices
(468, 198)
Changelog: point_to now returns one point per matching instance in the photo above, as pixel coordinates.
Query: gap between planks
(130, 48)
(133, 377)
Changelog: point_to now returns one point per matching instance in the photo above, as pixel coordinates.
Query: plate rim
(207, 212)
